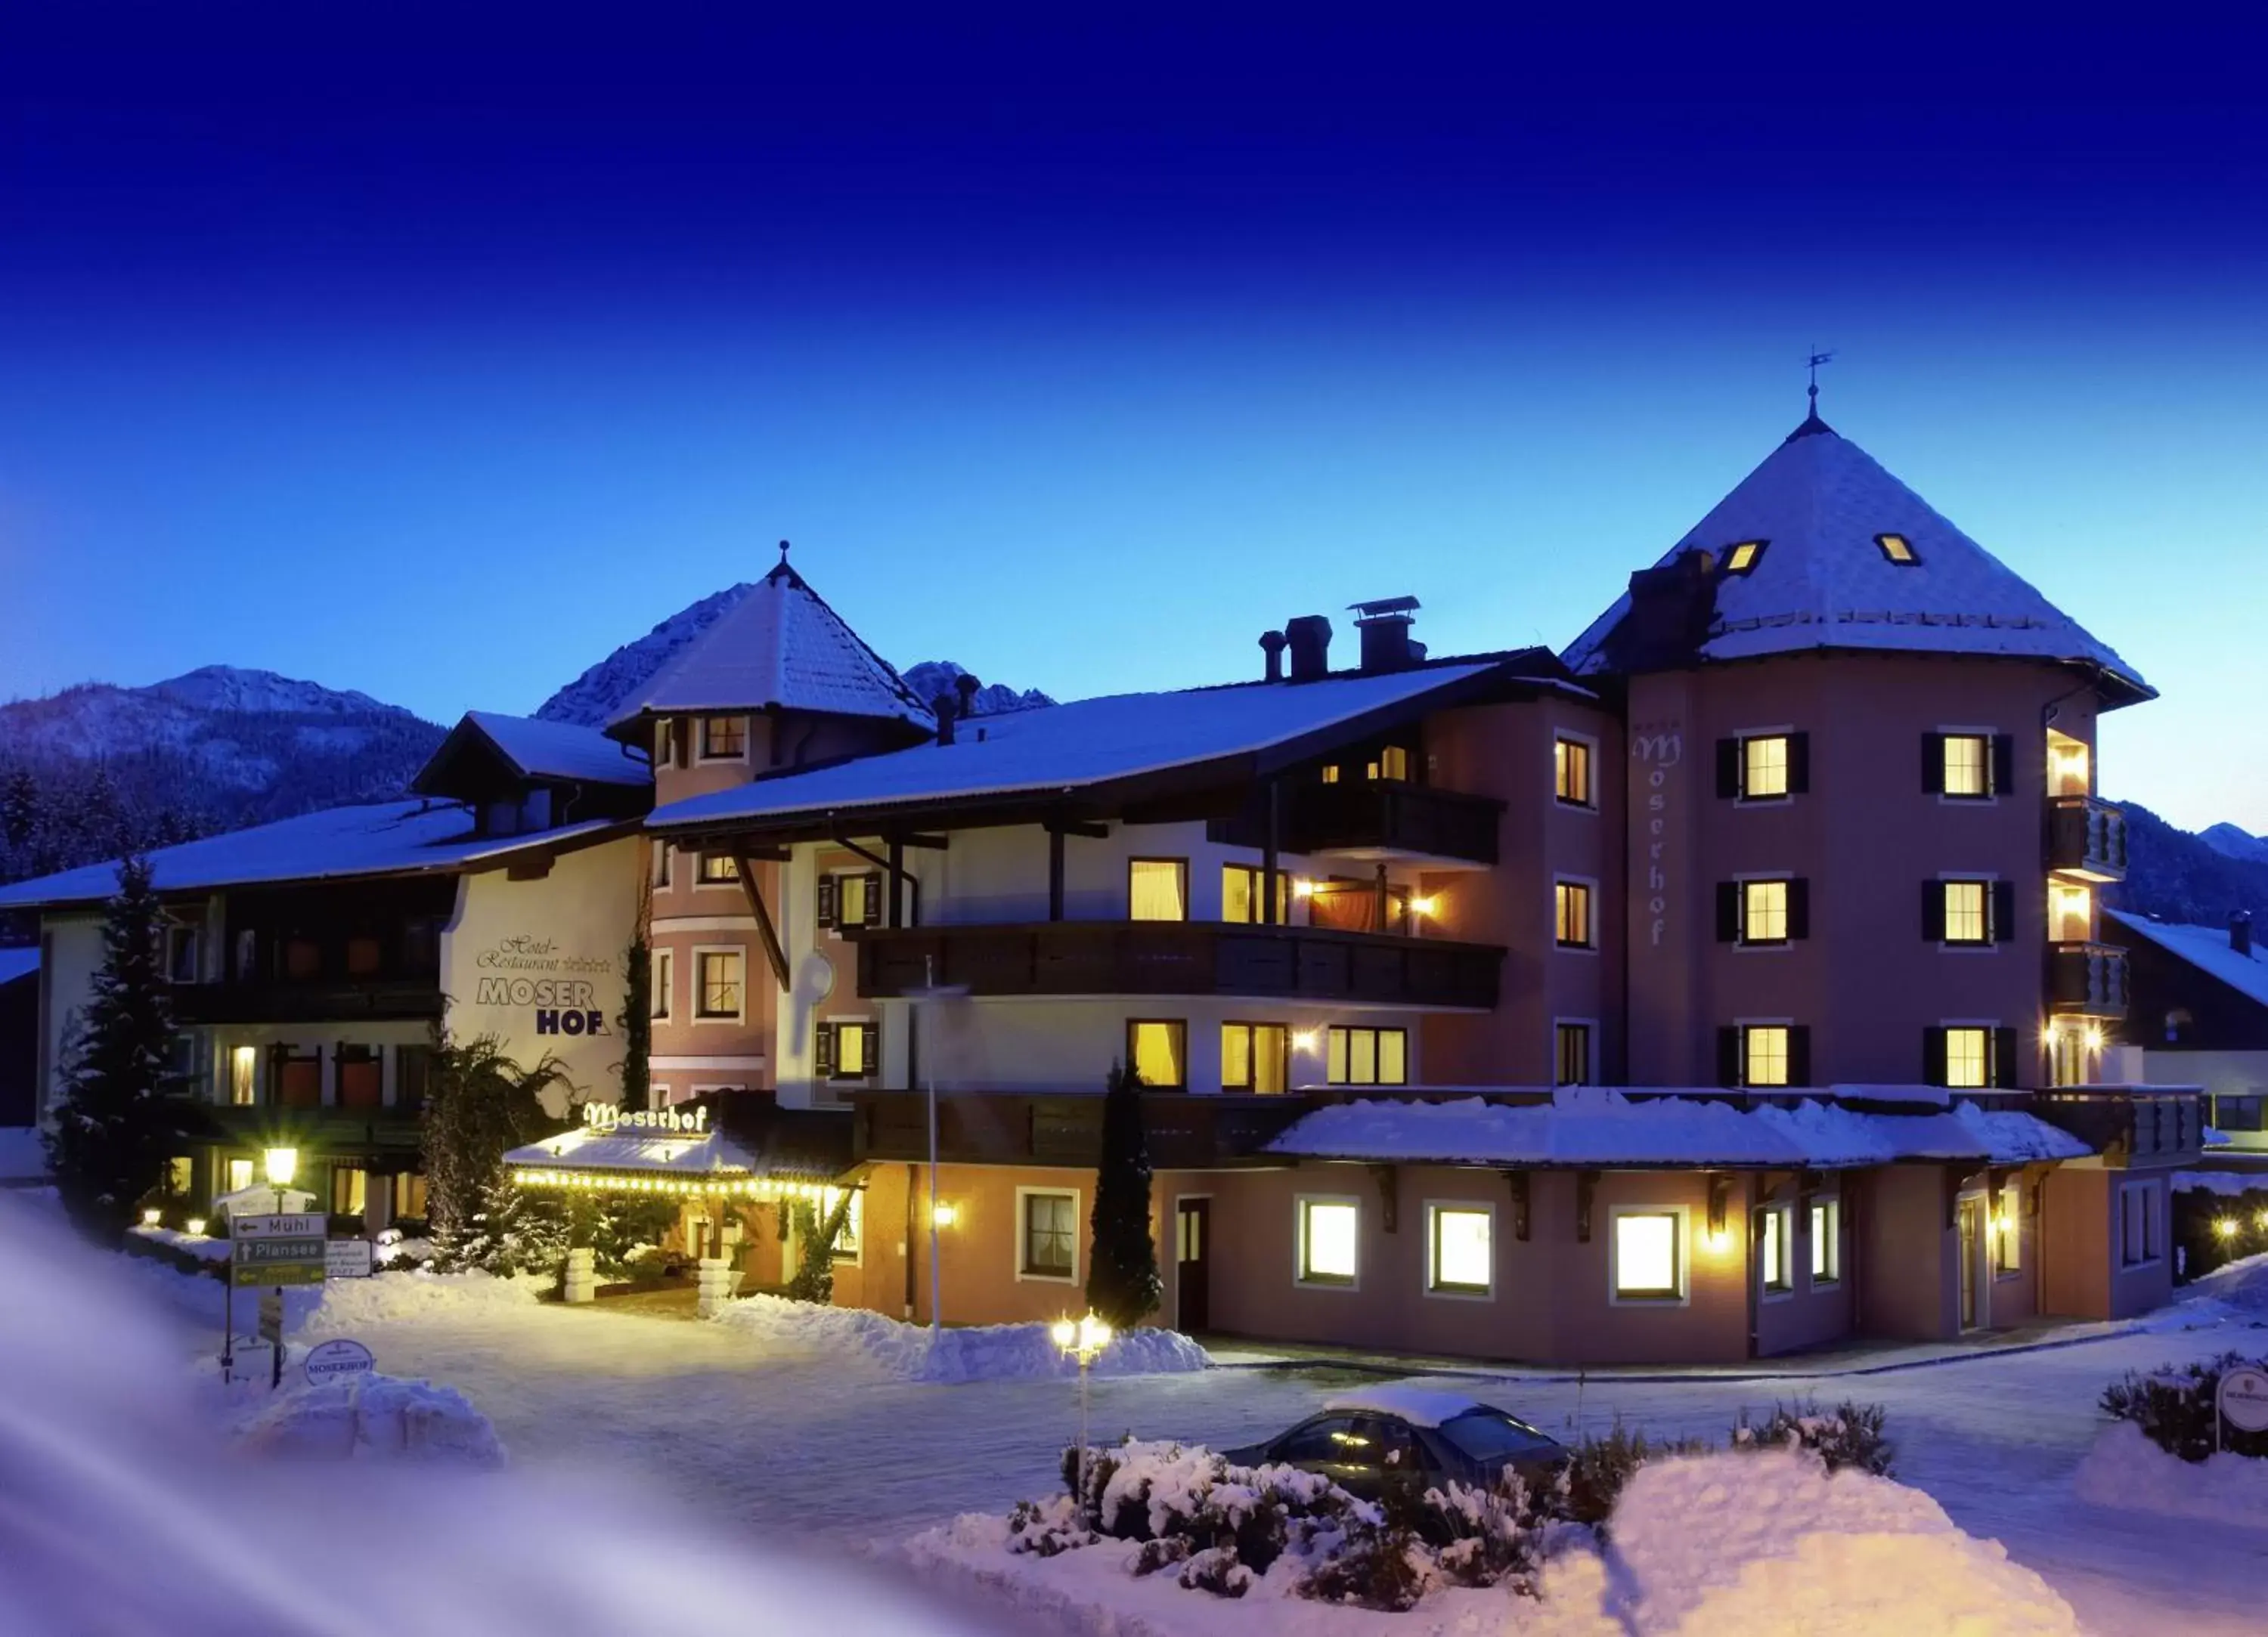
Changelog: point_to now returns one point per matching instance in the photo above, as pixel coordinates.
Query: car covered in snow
(1358, 1440)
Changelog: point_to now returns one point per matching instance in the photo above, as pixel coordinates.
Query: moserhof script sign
(1659, 748)
(613, 1117)
(327, 1361)
(2244, 1399)
(529, 973)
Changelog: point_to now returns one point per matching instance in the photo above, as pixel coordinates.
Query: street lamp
(282, 1165)
(1082, 1340)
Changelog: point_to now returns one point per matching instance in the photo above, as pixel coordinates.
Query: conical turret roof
(780, 646)
(1820, 506)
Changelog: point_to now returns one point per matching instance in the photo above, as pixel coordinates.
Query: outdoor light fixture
(2263, 1220)
(1424, 905)
(2225, 1226)
(196, 1227)
(1083, 1340)
(1307, 1040)
(944, 1215)
(1301, 887)
(282, 1165)
(150, 1218)
(2095, 1039)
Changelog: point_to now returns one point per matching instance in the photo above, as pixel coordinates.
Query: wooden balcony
(1183, 1132)
(2086, 979)
(2128, 1125)
(376, 1001)
(316, 1131)
(1376, 819)
(1178, 958)
(2087, 838)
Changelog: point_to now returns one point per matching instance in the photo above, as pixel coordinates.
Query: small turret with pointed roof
(779, 648)
(1821, 549)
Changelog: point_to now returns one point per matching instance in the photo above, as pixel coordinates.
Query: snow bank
(980, 1353)
(2126, 1470)
(398, 1298)
(1717, 1546)
(205, 1247)
(373, 1418)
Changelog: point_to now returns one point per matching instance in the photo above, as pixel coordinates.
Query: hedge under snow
(978, 1353)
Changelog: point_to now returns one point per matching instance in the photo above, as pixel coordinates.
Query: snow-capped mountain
(2231, 842)
(593, 699)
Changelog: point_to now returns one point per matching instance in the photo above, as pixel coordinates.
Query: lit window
(1050, 1247)
(661, 851)
(1968, 765)
(718, 868)
(1826, 1241)
(1572, 914)
(1255, 1057)
(1648, 1263)
(1331, 774)
(1764, 912)
(1968, 1058)
(244, 1075)
(1368, 1057)
(1775, 1256)
(2008, 1230)
(1158, 889)
(1459, 1249)
(2071, 912)
(1244, 892)
(1764, 767)
(1574, 1053)
(724, 738)
(2067, 774)
(657, 984)
(1744, 557)
(1968, 911)
(2140, 1237)
(1328, 1232)
(844, 1050)
(240, 1175)
(349, 1190)
(1572, 771)
(720, 971)
(1764, 1055)
(408, 1195)
(1158, 1050)
(846, 1240)
(1393, 762)
(1897, 548)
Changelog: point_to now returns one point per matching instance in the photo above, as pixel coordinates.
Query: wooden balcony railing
(1378, 818)
(2087, 980)
(1178, 958)
(2087, 838)
(2134, 1125)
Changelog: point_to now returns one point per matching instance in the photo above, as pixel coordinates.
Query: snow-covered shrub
(1592, 1481)
(1493, 1536)
(1849, 1434)
(1383, 1561)
(1048, 1528)
(2176, 1406)
(173, 1256)
(1218, 1571)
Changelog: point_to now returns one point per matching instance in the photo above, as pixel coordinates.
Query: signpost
(347, 1258)
(272, 1251)
(329, 1360)
(2242, 1403)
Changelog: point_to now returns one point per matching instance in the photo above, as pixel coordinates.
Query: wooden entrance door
(1972, 1244)
(1193, 1265)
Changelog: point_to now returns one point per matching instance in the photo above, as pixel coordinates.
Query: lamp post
(282, 1165)
(1082, 1340)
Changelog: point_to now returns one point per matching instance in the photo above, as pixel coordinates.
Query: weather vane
(783, 543)
(1817, 358)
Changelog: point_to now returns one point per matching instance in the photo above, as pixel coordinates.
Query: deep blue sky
(435, 356)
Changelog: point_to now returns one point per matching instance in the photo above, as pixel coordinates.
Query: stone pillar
(580, 1282)
(716, 1285)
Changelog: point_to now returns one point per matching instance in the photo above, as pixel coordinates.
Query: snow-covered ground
(831, 1447)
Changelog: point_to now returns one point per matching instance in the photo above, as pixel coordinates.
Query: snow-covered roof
(19, 963)
(708, 1154)
(1420, 1406)
(1598, 1126)
(2206, 949)
(1087, 742)
(557, 750)
(1823, 582)
(387, 838)
(780, 645)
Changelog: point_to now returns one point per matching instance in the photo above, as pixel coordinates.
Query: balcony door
(1192, 1266)
(1972, 1251)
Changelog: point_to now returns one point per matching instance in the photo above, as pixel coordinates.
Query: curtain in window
(1157, 890)
(1157, 1053)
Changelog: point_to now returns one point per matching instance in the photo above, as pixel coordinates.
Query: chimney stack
(2240, 931)
(1384, 626)
(1271, 643)
(968, 687)
(1310, 639)
(941, 707)
(1672, 607)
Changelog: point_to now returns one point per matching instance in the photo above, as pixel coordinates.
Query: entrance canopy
(624, 1158)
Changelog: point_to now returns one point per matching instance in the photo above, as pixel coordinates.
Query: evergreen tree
(479, 1104)
(21, 809)
(636, 1020)
(121, 1119)
(814, 1274)
(1122, 1286)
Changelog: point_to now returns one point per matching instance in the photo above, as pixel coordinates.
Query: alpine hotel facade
(1727, 984)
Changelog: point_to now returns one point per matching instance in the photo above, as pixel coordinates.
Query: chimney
(967, 686)
(1385, 628)
(941, 707)
(1271, 643)
(1309, 637)
(2240, 931)
(1671, 609)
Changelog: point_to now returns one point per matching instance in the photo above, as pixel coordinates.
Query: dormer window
(1742, 558)
(724, 738)
(1898, 550)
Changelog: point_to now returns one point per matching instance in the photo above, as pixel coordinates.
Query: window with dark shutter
(826, 900)
(2004, 1059)
(1728, 911)
(1799, 908)
(1798, 763)
(1728, 768)
(1728, 1056)
(873, 879)
(2004, 763)
(1933, 764)
(822, 1050)
(1933, 912)
(1933, 1056)
(1799, 1054)
(2004, 911)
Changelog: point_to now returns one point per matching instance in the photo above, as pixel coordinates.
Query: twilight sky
(434, 356)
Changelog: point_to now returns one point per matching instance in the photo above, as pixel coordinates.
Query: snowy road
(813, 1449)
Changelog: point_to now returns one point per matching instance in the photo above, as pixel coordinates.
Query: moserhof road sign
(2244, 1399)
(327, 1361)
